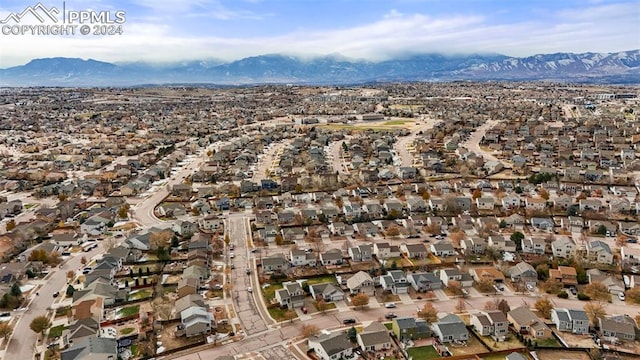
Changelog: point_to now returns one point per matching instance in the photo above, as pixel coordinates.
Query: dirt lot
(561, 355)
(472, 347)
(170, 341)
(583, 341)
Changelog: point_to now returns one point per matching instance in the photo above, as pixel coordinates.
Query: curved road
(21, 344)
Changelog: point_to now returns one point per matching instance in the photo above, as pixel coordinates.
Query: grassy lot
(396, 122)
(321, 279)
(134, 350)
(56, 331)
(129, 311)
(278, 314)
(548, 342)
(388, 325)
(127, 331)
(270, 292)
(139, 294)
(423, 352)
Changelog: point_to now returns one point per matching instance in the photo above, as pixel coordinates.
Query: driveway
(440, 294)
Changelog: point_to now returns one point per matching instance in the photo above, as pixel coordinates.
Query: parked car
(250, 289)
(621, 296)
(56, 294)
(349, 321)
(573, 290)
(391, 315)
(304, 310)
(390, 305)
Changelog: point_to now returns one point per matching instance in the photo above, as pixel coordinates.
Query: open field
(423, 352)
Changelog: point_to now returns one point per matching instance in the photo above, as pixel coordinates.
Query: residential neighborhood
(420, 221)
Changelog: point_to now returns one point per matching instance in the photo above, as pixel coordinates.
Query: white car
(621, 296)
(390, 305)
(249, 289)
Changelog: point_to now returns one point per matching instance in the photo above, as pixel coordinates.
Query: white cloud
(604, 28)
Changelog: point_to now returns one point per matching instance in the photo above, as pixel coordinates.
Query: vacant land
(473, 346)
(423, 352)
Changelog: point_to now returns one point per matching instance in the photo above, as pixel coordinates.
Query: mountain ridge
(591, 67)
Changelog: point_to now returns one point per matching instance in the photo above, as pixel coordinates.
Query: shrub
(583, 297)
(563, 295)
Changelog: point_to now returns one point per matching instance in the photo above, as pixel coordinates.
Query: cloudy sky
(175, 30)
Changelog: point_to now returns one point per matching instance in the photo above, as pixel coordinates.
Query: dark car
(391, 315)
(349, 321)
(573, 290)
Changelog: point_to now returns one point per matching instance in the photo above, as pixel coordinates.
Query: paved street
(401, 145)
(473, 144)
(249, 313)
(21, 345)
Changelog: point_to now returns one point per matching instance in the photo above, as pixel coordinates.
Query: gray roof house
(450, 329)
(395, 281)
(291, 295)
(424, 281)
(575, 321)
(360, 282)
(374, 337)
(274, 263)
(621, 328)
(195, 320)
(327, 291)
(91, 348)
(523, 271)
(331, 347)
(361, 253)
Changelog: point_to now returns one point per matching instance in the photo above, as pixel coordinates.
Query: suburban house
(395, 281)
(573, 320)
(629, 255)
(361, 253)
(409, 328)
(195, 320)
(455, 274)
(533, 245)
(331, 346)
(600, 252)
(527, 323)
(424, 281)
(91, 347)
(291, 295)
(332, 257)
(302, 258)
(473, 245)
(211, 223)
(491, 323)
(361, 282)
(563, 247)
(620, 328)
(614, 285)
(501, 243)
(374, 337)
(565, 275)
(450, 329)
(329, 292)
(385, 251)
(414, 251)
(485, 203)
(523, 272)
(443, 248)
(274, 263)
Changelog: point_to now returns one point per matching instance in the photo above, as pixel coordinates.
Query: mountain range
(621, 67)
